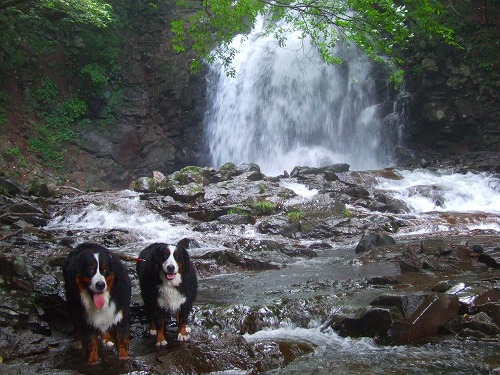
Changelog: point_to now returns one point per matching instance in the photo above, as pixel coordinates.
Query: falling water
(286, 107)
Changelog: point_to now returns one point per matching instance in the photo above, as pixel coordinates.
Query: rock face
(159, 117)
(455, 92)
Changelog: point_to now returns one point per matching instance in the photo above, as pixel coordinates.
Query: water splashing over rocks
(281, 286)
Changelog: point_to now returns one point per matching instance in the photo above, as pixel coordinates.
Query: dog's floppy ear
(185, 242)
(183, 245)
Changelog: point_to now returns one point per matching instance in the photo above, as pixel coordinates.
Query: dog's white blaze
(169, 298)
(170, 262)
(97, 277)
(104, 318)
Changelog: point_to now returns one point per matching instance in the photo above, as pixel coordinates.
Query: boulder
(399, 319)
(371, 240)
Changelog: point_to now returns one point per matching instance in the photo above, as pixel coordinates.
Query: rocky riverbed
(320, 270)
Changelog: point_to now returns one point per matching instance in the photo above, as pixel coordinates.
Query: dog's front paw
(108, 344)
(152, 332)
(161, 344)
(184, 333)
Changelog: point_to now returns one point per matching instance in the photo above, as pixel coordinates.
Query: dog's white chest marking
(101, 319)
(169, 298)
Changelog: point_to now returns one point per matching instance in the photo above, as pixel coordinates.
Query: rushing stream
(431, 197)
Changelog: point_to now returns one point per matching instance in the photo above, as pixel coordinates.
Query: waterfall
(286, 107)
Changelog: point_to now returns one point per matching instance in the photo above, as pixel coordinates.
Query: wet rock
(329, 170)
(225, 172)
(188, 193)
(480, 322)
(235, 219)
(422, 315)
(228, 354)
(432, 246)
(410, 262)
(442, 286)
(21, 343)
(144, 184)
(491, 257)
(478, 249)
(493, 311)
(191, 174)
(471, 298)
(268, 355)
(253, 245)
(357, 191)
(395, 319)
(7, 187)
(279, 225)
(371, 240)
(382, 280)
(389, 204)
(370, 322)
(241, 259)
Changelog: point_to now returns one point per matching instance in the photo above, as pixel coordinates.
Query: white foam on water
(123, 212)
(303, 192)
(427, 191)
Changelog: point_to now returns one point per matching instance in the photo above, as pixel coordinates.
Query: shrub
(265, 207)
(295, 216)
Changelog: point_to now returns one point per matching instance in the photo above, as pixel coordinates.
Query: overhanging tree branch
(4, 4)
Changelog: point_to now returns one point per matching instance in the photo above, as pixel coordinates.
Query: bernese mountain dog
(98, 294)
(168, 284)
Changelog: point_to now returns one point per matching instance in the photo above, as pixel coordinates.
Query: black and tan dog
(98, 294)
(169, 285)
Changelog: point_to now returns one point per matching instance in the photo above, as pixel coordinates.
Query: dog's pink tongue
(170, 276)
(99, 300)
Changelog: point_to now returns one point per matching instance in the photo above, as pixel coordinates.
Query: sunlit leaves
(93, 12)
(378, 27)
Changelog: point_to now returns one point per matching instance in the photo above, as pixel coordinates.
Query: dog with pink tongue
(98, 293)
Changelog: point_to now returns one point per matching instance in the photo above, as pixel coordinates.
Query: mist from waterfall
(286, 108)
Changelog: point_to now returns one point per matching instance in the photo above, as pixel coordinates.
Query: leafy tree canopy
(93, 12)
(378, 27)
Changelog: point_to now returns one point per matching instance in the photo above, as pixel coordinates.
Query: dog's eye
(164, 255)
(105, 271)
(177, 256)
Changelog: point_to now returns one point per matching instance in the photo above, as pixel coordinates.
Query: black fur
(151, 280)
(78, 271)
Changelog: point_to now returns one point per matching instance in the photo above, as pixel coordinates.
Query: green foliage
(262, 188)
(381, 28)
(42, 98)
(94, 12)
(239, 211)
(347, 213)
(295, 216)
(81, 34)
(56, 129)
(16, 154)
(96, 74)
(264, 207)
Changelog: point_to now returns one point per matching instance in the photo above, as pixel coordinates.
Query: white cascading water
(287, 108)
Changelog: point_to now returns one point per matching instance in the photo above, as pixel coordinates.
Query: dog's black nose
(100, 285)
(170, 268)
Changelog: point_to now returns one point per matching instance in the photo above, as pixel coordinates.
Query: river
(439, 202)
